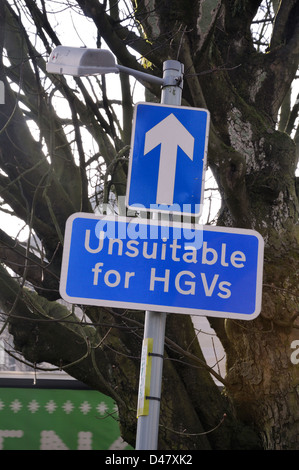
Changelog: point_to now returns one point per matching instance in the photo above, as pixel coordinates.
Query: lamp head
(80, 61)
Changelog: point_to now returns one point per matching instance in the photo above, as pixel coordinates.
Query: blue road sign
(168, 158)
(147, 265)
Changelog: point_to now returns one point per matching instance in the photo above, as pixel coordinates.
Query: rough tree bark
(254, 165)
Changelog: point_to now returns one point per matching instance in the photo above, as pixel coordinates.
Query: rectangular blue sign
(168, 158)
(147, 265)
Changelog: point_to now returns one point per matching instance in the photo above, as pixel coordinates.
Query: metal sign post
(154, 325)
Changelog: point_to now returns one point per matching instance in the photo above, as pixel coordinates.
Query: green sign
(54, 419)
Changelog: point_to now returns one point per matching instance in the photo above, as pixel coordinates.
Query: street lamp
(78, 61)
(81, 61)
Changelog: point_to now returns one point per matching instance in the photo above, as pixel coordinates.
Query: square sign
(148, 265)
(168, 159)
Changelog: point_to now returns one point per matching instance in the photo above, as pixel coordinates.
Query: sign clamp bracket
(156, 355)
(153, 398)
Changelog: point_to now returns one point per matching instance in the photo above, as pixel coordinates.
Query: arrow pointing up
(171, 134)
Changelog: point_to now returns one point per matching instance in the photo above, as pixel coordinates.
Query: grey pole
(154, 325)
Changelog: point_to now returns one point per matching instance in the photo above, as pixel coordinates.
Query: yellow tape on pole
(145, 377)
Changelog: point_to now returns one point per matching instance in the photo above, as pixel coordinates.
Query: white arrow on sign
(171, 134)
